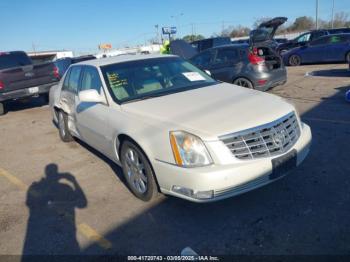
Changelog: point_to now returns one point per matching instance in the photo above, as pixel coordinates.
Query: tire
(63, 130)
(244, 82)
(294, 60)
(347, 58)
(138, 172)
(2, 109)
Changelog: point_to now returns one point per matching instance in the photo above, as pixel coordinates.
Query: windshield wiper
(144, 98)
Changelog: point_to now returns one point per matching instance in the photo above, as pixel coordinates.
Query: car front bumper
(224, 181)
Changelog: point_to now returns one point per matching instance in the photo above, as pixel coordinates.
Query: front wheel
(138, 171)
(243, 82)
(63, 127)
(294, 60)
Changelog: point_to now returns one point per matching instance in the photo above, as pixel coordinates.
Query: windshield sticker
(194, 76)
(115, 81)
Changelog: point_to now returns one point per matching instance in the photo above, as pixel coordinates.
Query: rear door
(266, 30)
(226, 64)
(316, 51)
(338, 46)
(92, 118)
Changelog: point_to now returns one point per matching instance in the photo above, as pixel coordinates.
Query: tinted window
(202, 60)
(318, 34)
(147, 78)
(206, 44)
(74, 77)
(320, 41)
(91, 79)
(226, 55)
(337, 39)
(14, 59)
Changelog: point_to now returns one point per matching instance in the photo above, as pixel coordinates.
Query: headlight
(189, 150)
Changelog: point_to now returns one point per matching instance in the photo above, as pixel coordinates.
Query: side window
(304, 38)
(91, 79)
(202, 60)
(74, 77)
(317, 35)
(66, 80)
(225, 56)
(336, 39)
(320, 41)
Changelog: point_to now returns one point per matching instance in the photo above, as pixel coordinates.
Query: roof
(120, 59)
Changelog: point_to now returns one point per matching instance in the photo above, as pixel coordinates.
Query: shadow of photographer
(51, 225)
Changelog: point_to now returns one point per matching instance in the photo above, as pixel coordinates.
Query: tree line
(302, 23)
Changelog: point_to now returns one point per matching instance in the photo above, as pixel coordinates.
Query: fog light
(204, 194)
(183, 190)
(190, 193)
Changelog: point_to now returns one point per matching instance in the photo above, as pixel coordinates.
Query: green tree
(302, 23)
(191, 38)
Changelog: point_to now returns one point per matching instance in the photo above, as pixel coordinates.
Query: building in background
(48, 56)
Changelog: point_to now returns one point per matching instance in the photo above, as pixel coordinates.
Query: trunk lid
(266, 30)
(182, 49)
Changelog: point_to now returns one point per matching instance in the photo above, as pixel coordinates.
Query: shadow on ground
(331, 73)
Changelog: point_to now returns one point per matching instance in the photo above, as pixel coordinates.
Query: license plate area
(33, 90)
(283, 164)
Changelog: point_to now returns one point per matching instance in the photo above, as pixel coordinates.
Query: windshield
(147, 78)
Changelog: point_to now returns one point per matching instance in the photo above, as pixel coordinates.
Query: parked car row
(256, 65)
(329, 48)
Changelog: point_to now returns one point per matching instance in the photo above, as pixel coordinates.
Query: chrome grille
(268, 140)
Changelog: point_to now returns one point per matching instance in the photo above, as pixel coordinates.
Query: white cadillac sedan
(174, 129)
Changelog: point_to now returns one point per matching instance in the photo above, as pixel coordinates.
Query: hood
(182, 49)
(266, 30)
(210, 111)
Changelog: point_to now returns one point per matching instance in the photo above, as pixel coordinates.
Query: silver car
(175, 130)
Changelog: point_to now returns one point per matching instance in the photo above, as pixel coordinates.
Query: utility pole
(333, 15)
(316, 14)
(157, 33)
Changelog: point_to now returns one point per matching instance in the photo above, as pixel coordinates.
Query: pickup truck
(20, 78)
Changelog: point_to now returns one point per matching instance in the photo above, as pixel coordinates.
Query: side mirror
(91, 96)
(208, 72)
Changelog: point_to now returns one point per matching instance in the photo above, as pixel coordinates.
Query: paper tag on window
(193, 76)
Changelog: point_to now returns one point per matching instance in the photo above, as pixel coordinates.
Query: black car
(62, 64)
(254, 65)
(204, 44)
(308, 37)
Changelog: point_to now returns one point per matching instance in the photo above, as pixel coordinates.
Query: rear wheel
(63, 127)
(294, 60)
(243, 82)
(2, 109)
(138, 172)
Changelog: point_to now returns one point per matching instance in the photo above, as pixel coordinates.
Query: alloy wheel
(243, 82)
(135, 171)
